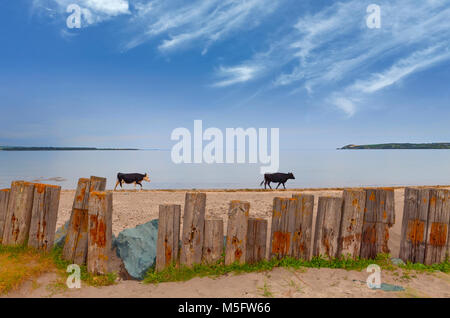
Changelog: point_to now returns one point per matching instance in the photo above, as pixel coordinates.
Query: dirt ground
(133, 208)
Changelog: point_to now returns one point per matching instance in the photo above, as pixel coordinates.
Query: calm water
(312, 168)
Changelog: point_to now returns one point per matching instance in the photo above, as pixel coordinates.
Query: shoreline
(269, 190)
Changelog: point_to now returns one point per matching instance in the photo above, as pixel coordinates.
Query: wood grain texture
(193, 228)
(379, 217)
(99, 232)
(352, 223)
(43, 216)
(4, 199)
(256, 240)
(437, 229)
(18, 216)
(302, 237)
(167, 245)
(328, 222)
(76, 245)
(414, 225)
(236, 242)
(282, 229)
(213, 242)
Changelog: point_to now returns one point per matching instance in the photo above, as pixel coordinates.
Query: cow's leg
(278, 185)
(284, 186)
(265, 184)
(117, 183)
(140, 185)
(269, 185)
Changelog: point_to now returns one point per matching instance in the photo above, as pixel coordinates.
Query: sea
(312, 168)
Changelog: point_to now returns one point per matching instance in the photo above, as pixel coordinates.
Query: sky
(137, 69)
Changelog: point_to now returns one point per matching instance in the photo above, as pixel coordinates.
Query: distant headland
(17, 148)
(440, 145)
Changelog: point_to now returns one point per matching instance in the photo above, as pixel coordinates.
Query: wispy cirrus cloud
(333, 51)
(181, 23)
(234, 75)
(175, 24)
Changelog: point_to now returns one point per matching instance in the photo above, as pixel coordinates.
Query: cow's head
(290, 175)
(146, 178)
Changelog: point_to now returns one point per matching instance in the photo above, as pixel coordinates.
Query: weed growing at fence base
(21, 263)
(182, 273)
(88, 278)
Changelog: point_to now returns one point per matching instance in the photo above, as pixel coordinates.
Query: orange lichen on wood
(416, 231)
(438, 234)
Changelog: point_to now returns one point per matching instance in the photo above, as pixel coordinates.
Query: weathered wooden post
(328, 222)
(168, 235)
(302, 238)
(193, 228)
(18, 217)
(99, 232)
(379, 216)
(256, 240)
(414, 225)
(213, 242)
(438, 223)
(76, 245)
(4, 199)
(43, 216)
(283, 219)
(352, 223)
(235, 250)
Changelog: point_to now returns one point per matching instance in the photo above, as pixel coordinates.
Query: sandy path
(279, 282)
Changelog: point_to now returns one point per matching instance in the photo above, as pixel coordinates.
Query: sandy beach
(131, 208)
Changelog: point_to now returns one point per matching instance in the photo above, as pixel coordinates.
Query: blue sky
(137, 69)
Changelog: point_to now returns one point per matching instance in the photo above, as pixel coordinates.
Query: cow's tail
(262, 181)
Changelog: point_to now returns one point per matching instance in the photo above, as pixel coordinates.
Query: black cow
(128, 178)
(279, 177)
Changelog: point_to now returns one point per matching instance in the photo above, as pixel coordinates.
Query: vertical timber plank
(213, 242)
(235, 250)
(438, 222)
(283, 223)
(99, 232)
(18, 217)
(79, 212)
(328, 222)
(4, 199)
(302, 238)
(379, 217)
(76, 244)
(256, 240)
(414, 225)
(352, 223)
(43, 216)
(168, 235)
(193, 228)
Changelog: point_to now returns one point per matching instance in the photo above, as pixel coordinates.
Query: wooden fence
(28, 213)
(356, 224)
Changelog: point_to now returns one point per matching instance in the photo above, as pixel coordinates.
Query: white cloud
(182, 23)
(234, 75)
(93, 11)
(332, 50)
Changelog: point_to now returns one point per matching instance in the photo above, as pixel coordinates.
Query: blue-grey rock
(397, 261)
(137, 248)
(60, 235)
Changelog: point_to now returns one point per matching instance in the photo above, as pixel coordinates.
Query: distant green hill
(400, 146)
(16, 148)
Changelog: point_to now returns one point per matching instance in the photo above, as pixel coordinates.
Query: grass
(174, 273)
(19, 264)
